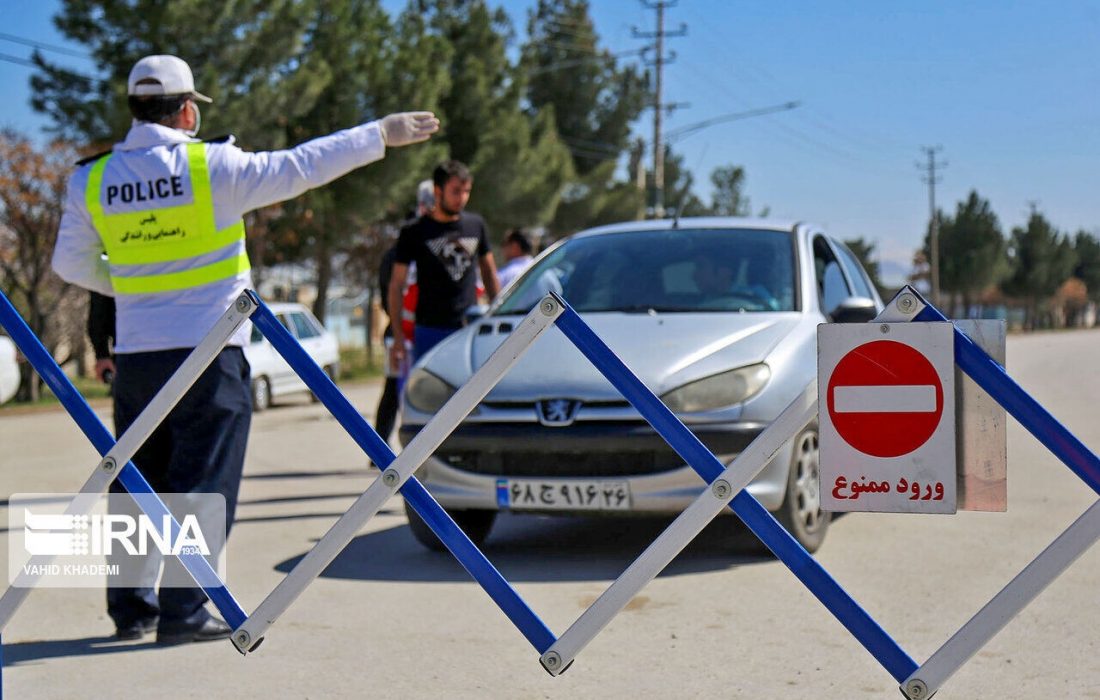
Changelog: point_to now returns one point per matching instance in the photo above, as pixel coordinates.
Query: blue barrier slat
(452, 536)
(103, 441)
(196, 565)
(856, 620)
(991, 377)
(43, 363)
(814, 576)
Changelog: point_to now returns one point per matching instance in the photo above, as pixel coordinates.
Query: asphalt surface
(389, 618)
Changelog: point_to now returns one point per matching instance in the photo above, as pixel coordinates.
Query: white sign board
(887, 417)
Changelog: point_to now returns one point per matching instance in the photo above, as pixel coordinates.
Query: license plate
(532, 494)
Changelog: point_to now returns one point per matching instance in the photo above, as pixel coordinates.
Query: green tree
(865, 253)
(520, 171)
(248, 58)
(1041, 260)
(482, 81)
(519, 163)
(729, 198)
(595, 199)
(355, 46)
(594, 99)
(1087, 248)
(678, 183)
(972, 250)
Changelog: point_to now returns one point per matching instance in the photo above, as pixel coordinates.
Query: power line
(689, 129)
(701, 75)
(43, 46)
(17, 60)
(815, 119)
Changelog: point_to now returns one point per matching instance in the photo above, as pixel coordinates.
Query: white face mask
(198, 121)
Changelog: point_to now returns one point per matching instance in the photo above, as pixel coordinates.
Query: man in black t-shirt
(445, 245)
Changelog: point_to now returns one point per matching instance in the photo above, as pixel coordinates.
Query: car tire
(331, 372)
(475, 523)
(801, 511)
(261, 394)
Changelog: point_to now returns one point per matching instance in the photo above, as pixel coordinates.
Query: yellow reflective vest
(164, 249)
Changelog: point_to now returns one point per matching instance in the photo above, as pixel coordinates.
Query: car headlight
(426, 392)
(719, 390)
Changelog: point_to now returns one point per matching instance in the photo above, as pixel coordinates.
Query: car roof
(284, 306)
(698, 222)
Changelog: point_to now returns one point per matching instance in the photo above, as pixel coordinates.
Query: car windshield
(686, 270)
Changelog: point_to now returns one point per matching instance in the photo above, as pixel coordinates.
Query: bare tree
(32, 191)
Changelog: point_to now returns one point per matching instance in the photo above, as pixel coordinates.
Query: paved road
(391, 619)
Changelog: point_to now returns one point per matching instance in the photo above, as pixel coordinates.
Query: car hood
(664, 350)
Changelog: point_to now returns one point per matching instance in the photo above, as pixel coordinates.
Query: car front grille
(563, 464)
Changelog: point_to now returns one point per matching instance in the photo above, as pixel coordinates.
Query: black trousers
(386, 415)
(198, 448)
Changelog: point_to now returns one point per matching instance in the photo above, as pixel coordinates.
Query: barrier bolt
(108, 465)
(242, 639)
(553, 661)
(390, 477)
(548, 307)
(885, 328)
(243, 303)
(721, 489)
(906, 302)
(916, 689)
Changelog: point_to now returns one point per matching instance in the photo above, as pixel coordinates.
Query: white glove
(403, 128)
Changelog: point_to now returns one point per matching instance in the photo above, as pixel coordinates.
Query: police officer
(167, 208)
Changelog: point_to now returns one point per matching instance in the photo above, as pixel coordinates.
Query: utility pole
(931, 179)
(659, 107)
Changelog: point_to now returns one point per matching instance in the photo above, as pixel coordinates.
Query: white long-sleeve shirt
(513, 269)
(239, 181)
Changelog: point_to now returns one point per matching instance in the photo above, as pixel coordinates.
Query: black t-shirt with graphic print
(446, 256)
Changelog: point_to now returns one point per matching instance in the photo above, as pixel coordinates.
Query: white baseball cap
(163, 75)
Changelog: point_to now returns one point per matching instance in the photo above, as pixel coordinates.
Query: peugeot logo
(557, 412)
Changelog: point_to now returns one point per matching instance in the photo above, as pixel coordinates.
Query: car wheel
(801, 511)
(475, 523)
(331, 372)
(261, 394)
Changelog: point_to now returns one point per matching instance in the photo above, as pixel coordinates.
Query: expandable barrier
(727, 486)
(119, 453)
(916, 682)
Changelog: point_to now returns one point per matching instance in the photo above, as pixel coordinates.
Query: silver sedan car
(718, 316)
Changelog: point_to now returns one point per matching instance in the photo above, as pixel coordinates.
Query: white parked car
(9, 369)
(272, 377)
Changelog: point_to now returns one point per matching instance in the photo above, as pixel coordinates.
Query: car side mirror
(854, 310)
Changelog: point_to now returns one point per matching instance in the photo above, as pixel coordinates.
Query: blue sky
(1009, 89)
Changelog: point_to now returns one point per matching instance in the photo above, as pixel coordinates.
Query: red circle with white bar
(885, 398)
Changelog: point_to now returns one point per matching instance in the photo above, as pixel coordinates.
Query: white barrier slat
(1004, 606)
(682, 531)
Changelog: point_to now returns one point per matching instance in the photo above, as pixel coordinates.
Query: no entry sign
(887, 415)
(885, 398)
